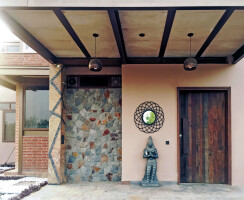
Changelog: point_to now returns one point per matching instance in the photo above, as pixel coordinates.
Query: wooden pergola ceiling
(64, 35)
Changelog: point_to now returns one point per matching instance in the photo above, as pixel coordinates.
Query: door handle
(184, 136)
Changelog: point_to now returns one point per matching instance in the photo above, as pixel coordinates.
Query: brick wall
(29, 156)
(35, 152)
(16, 144)
(22, 59)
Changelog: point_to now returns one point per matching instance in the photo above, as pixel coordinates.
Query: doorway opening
(204, 142)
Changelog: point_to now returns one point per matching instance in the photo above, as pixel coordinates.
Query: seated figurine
(150, 177)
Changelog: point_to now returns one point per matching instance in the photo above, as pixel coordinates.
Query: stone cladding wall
(93, 135)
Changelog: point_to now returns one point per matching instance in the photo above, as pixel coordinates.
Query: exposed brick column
(19, 128)
(56, 127)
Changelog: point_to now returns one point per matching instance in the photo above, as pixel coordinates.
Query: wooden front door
(203, 137)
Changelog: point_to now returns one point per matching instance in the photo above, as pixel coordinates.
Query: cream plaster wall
(6, 95)
(119, 3)
(159, 83)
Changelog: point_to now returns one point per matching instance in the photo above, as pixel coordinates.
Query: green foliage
(150, 118)
(33, 122)
(43, 123)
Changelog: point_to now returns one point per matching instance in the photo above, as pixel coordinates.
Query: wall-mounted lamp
(59, 66)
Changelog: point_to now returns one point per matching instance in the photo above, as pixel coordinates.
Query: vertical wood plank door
(203, 137)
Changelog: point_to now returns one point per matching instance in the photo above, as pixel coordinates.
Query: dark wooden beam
(71, 31)
(167, 30)
(7, 85)
(215, 31)
(116, 62)
(238, 55)
(177, 60)
(26, 37)
(108, 62)
(115, 22)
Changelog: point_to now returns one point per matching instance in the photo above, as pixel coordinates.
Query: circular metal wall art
(149, 123)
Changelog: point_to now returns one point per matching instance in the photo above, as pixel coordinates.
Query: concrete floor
(117, 191)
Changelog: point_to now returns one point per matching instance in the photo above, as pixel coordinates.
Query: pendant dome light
(190, 63)
(95, 64)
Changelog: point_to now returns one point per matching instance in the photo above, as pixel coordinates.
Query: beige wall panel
(45, 26)
(13, 3)
(135, 3)
(159, 83)
(149, 22)
(198, 22)
(85, 23)
(230, 38)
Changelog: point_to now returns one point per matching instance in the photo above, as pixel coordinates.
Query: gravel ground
(4, 169)
(14, 188)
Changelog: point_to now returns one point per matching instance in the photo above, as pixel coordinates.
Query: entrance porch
(146, 46)
(115, 190)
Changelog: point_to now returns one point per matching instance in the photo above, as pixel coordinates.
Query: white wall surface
(6, 95)
(120, 3)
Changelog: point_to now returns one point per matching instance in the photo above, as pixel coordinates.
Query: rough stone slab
(93, 135)
(115, 190)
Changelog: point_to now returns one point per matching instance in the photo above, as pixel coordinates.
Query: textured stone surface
(111, 191)
(104, 158)
(56, 126)
(93, 135)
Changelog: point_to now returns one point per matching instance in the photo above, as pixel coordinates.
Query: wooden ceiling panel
(230, 38)
(199, 22)
(85, 23)
(46, 28)
(149, 22)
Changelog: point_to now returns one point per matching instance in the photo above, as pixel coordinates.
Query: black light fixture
(142, 34)
(95, 64)
(190, 63)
